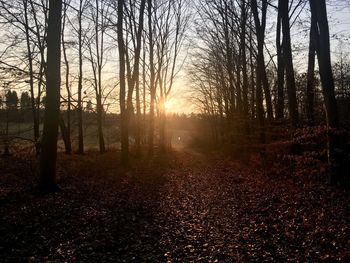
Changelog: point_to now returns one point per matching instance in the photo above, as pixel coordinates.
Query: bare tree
(52, 108)
(283, 9)
(66, 130)
(122, 85)
(97, 52)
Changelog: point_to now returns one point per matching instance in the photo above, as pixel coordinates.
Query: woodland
(174, 131)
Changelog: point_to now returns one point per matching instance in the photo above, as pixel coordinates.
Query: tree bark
(52, 108)
(310, 88)
(318, 9)
(122, 89)
(280, 69)
(152, 81)
(288, 62)
(80, 81)
(261, 69)
(68, 143)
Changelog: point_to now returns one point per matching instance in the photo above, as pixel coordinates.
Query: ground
(182, 207)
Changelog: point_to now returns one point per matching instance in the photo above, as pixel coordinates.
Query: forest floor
(184, 207)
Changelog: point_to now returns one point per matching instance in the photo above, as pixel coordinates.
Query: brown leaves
(190, 207)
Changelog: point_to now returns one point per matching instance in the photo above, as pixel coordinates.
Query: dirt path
(191, 208)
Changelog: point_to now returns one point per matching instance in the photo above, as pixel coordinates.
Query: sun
(167, 105)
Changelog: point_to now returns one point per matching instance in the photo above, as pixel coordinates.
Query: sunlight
(168, 105)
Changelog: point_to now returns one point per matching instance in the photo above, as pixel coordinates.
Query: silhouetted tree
(319, 11)
(25, 101)
(11, 100)
(48, 153)
(288, 62)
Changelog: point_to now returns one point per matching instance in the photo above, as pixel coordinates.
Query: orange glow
(168, 105)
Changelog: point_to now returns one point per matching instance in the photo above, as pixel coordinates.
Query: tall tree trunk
(135, 78)
(80, 81)
(52, 108)
(68, 143)
(310, 88)
(288, 62)
(280, 69)
(152, 81)
(99, 38)
(31, 80)
(122, 92)
(244, 58)
(260, 33)
(318, 9)
(229, 64)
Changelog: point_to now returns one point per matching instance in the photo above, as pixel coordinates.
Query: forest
(174, 130)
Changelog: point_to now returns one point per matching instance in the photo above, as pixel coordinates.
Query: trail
(193, 207)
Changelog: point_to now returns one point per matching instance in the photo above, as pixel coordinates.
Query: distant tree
(48, 153)
(11, 100)
(89, 108)
(341, 70)
(25, 100)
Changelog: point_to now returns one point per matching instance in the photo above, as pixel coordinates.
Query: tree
(288, 62)
(97, 50)
(122, 86)
(152, 86)
(66, 131)
(133, 72)
(280, 66)
(11, 100)
(25, 101)
(319, 11)
(81, 36)
(260, 25)
(310, 88)
(48, 153)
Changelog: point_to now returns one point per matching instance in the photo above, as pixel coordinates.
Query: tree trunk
(52, 108)
(122, 92)
(318, 9)
(152, 81)
(280, 69)
(288, 62)
(310, 88)
(64, 134)
(31, 80)
(260, 33)
(68, 143)
(80, 83)
(244, 59)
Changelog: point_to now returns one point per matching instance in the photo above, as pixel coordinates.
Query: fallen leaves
(190, 207)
